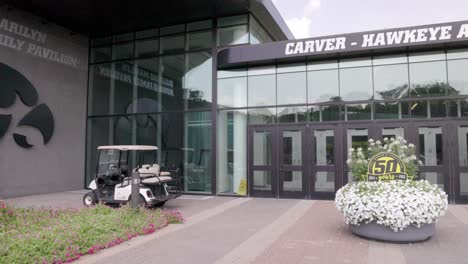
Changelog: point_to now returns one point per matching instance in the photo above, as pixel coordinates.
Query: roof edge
(266, 11)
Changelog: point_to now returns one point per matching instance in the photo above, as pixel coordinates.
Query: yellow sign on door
(242, 190)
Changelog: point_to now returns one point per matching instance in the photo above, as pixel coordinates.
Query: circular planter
(408, 234)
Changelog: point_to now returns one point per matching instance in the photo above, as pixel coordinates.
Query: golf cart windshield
(109, 158)
(121, 157)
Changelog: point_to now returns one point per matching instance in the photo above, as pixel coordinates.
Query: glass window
(438, 108)
(262, 90)
(199, 40)
(261, 70)
(359, 112)
(147, 48)
(172, 70)
(426, 56)
(419, 109)
(122, 51)
(324, 147)
(458, 77)
(347, 63)
(101, 41)
(323, 86)
(232, 73)
(357, 138)
(123, 74)
(314, 113)
(330, 112)
(356, 84)
(172, 29)
(232, 151)
(232, 35)
(428, 79)
(385, 60)
(197, 152)
(457, 54)
(325, 181)
(232, 92)
(293, 114)
(123, 37)
(291, 67)
(291, 88)
(198, 80)
(199, 25)
(149, 33)
(387, 110)
(430, 146)
(147, 86)
(232, 20)
(172, 44)
(262, 115)
(322, 65)
(100, 54)
(257, 32)
(99, 89)
(391, 81)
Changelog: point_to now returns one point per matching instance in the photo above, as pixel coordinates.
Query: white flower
(359, 161)
(372, 144)
(371, 140)
(385, 139)
(420, 162)
(378, 142)
(399, 138)
(411, 145)
(392, 139)
(413, 157)
(359, 149)
(350, 150)
(404, 141)
(395, 204)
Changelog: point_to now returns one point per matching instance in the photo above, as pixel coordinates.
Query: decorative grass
(64, 235)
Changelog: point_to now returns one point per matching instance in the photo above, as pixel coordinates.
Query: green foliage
(57, 236)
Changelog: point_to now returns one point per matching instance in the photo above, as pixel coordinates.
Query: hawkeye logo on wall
(13, 83)
(386, 167)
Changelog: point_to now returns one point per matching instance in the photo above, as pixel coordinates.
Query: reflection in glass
(146, 48)
(262, 90)
(232, 92)
(262, 148)
(322, 86)
(458, 77)
(291, 67)
(314, 113)
(387, 110)
(232, 20)
(463, 145)
(262, 181)
(426, 56)
(172, 69)
(392, 59)
(293, 114)
(325, 181)
(257, 32)
(330, 112)
(292, 88)
(438, 108)
(122, 51)
(123, 73)
(99, 89)
(430, 146)
(100, 54)
(262, 115)
(453, 108)
(292, 147)
(197, 152)
(357, 138)
(232, 150)
(199, 25)
(324, 147)
(292, 181)
(197, 86)
(172, 44)
(232, 35)
(359, 112)
(428, 79)
(419, 109)
(322, 65)
(199, 40)
(356, 84)
(147, 88)
(391, 81)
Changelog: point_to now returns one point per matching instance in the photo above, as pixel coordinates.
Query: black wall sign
(427, 35)
(13, 83)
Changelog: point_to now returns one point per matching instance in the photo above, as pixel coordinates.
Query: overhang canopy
(105, 17)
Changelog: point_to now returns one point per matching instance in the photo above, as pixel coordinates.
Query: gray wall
(59, 164)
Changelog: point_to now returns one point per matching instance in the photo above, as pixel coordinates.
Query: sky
(312, 18)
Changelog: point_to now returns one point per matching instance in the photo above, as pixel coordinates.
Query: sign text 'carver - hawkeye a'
(380, 39)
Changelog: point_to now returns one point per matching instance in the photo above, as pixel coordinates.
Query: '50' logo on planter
(386, 167)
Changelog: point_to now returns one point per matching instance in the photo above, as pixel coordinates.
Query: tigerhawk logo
(13, 83)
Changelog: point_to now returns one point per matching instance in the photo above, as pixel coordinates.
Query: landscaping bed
(63, 235)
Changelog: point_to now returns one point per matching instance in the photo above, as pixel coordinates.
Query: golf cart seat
(154, 180)
(152, 170)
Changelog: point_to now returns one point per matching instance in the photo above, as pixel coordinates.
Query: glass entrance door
(459, 176)
(262, 162)
(291, 150)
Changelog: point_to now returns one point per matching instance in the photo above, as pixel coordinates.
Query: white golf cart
(112, 181)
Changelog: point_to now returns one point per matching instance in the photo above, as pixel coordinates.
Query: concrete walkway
(249, 230)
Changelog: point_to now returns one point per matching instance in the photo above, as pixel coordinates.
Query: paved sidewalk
(226, 230)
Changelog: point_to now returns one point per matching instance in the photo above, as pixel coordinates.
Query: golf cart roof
(128, 147)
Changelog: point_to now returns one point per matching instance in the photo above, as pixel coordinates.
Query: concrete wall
(54, 61)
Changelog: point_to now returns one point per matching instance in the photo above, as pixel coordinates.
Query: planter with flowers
(386, 200)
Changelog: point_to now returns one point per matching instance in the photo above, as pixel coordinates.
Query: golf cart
(112, 183)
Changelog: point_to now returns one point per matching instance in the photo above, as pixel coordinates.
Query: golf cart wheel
(161, 204)
(141, 201)
(89, 199)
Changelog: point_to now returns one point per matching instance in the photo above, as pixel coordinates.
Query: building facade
(233, 102)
